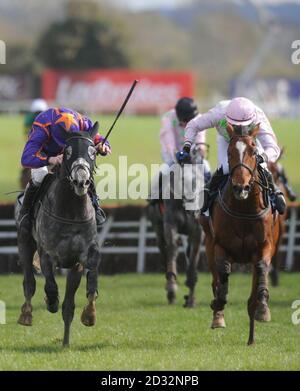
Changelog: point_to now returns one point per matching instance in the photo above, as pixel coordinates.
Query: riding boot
(290, 192)
(276, 195)
(25, 218)
(100, 215)
(212, 187)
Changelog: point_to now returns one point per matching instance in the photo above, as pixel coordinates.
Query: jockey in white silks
(172, 136)
(243, 115)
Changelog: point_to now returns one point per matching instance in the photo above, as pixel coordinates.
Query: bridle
(69, 169)
(253, 171)
(250, 169)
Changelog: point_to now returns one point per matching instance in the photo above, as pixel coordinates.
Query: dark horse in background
(279, 178)
(64, 234)
(242, 229)
(170, 219)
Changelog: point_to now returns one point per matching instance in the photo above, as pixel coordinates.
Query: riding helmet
(186, 109)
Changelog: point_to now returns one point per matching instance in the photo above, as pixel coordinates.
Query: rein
(263, 184)
(62, 219)
(251, 170)
(237, 215)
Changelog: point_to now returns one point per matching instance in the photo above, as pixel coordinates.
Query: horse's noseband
(251, 170)
(79, 162)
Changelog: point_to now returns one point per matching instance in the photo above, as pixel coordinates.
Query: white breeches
(222, 153)
(38, 174)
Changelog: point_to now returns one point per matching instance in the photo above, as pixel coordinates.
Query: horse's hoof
(88, 317)
(25, 320)
(52, 307)
(66, 344)
(171, 297)
(262, 313)
(218, 321)
(171, 288)
(190, 302)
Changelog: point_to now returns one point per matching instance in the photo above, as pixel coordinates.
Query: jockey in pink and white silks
(243, 115)
(172, 135)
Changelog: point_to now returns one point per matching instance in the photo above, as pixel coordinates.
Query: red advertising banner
(105, 90)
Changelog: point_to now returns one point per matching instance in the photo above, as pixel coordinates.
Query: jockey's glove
(183, 157)
(100, 139)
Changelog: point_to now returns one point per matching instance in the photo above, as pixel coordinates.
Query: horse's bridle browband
(82, 138)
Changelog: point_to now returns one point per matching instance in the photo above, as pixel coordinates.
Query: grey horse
(170, 218)
(64, 234)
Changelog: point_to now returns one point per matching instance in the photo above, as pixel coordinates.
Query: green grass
(137, 330)
(135, 137)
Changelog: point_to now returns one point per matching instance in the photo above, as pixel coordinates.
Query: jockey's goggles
(243, 130)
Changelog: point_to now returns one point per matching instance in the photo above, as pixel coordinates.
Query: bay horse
(170, 219)
(241, 228)
(64, 234)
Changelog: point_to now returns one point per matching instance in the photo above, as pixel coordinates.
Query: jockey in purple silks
(243, 115)
(44, 148)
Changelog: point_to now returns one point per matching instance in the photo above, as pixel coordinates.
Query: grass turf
(135, 137)
(137, 330)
